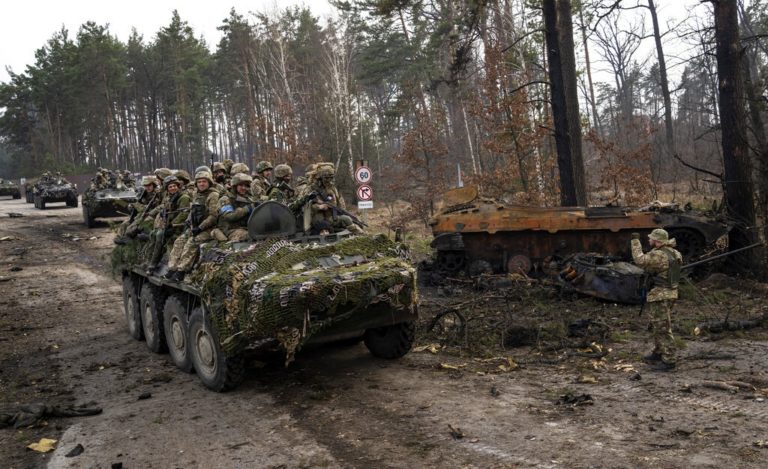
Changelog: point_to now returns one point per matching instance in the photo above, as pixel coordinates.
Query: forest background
(426, 91)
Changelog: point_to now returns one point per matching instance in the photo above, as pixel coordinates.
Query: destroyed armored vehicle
(109, 202)
(477, 235)
(9, 188)
(278, 291)
(54, 189)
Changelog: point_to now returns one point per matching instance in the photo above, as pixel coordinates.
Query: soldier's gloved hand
(635, 235)
(196, 231)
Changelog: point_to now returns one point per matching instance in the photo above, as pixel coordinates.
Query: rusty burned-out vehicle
(9, 188)
(278, 291)
(476, 235)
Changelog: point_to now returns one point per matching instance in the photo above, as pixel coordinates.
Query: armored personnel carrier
(54, 189)
(112, 201)
(9, 188)
(278, 291)
(477, 235)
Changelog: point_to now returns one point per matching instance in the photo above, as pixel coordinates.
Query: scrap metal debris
(455, 432)
(9, 238)
(76, 451)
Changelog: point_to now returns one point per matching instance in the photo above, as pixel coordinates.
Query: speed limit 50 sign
(363, 175)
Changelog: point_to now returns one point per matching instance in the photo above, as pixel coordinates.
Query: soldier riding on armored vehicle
(54, 188)
(278, 290)
(108, 196)
(9, 188)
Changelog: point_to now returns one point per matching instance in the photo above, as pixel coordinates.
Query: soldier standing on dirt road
(663, 262)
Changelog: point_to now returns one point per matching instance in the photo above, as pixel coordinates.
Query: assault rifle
(325, 199)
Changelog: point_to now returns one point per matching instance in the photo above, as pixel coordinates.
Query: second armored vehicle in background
(54, 189)
(9, 188)
(109, 202)
(478, 235)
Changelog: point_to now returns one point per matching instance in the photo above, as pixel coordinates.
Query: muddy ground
(473, 403)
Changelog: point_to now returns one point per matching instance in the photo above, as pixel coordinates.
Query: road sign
(364, 192)
(364, 204)
(363, 175)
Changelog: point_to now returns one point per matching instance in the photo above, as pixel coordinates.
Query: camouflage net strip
(278, 289)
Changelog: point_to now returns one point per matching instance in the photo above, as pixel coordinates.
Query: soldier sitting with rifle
(169, 223)
(329, 205)
(203, 215)
(281, 191)
(146, 199)
(261, 184)
(235, 207)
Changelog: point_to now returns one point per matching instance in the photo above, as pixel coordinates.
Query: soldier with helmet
(239, 168)
(261, 182)
(322, 207)
(228, 163)
(169, 222)
(302, 182)
(234, 209)
(203, 216)
(219, 173)
(663, 263)
(281, 191)
(146, 195)
(185, 179)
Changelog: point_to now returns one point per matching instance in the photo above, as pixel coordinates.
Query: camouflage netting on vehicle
(279, 289)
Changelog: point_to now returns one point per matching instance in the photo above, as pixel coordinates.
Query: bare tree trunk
(592, 101)
(738, 177)
(670, 136)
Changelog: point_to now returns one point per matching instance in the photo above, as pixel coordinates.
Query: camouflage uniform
(185, 248)
(234, 210)
(169, 223)
(144, 197)
(261, 184)
(327, 192)
(663, 263)
(282, 191)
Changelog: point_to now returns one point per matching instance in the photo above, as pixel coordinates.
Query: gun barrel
(720, 256)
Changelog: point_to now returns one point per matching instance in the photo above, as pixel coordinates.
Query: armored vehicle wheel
(176, 332)
(216, 370)
(390, 341)
(131, 306)
(89, 221)
(151, 302)
(29, 197)
(16, 196)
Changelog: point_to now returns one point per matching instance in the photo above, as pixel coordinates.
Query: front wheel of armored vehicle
(131, 306)
(28, 196)
(390, 341)
(151, 302)
(17, 196)
(177, 332)
(216, 370)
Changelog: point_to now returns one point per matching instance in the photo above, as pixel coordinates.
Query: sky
(26, 25)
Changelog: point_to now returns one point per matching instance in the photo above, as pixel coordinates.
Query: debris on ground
(9, 238)
(15, 215)
(43, 446)
(455, 432)
(573, 400)
(30, 415)
(145, 395)
(15, 268)
(76, 451)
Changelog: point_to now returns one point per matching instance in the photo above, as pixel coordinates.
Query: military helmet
(202, 168)
(145, 180)
(204, 175)
(163, 173)
(263, 166)
(310, 168)
(218, 166)
(241, 178)
(228, 165)
(171, 180)
(182, 175)
(325, 170)
(282, 170)
(660, 235)
(238, 168)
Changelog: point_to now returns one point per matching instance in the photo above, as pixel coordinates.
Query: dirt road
(63, 340)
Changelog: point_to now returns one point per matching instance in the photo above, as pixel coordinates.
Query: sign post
(364, 192)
